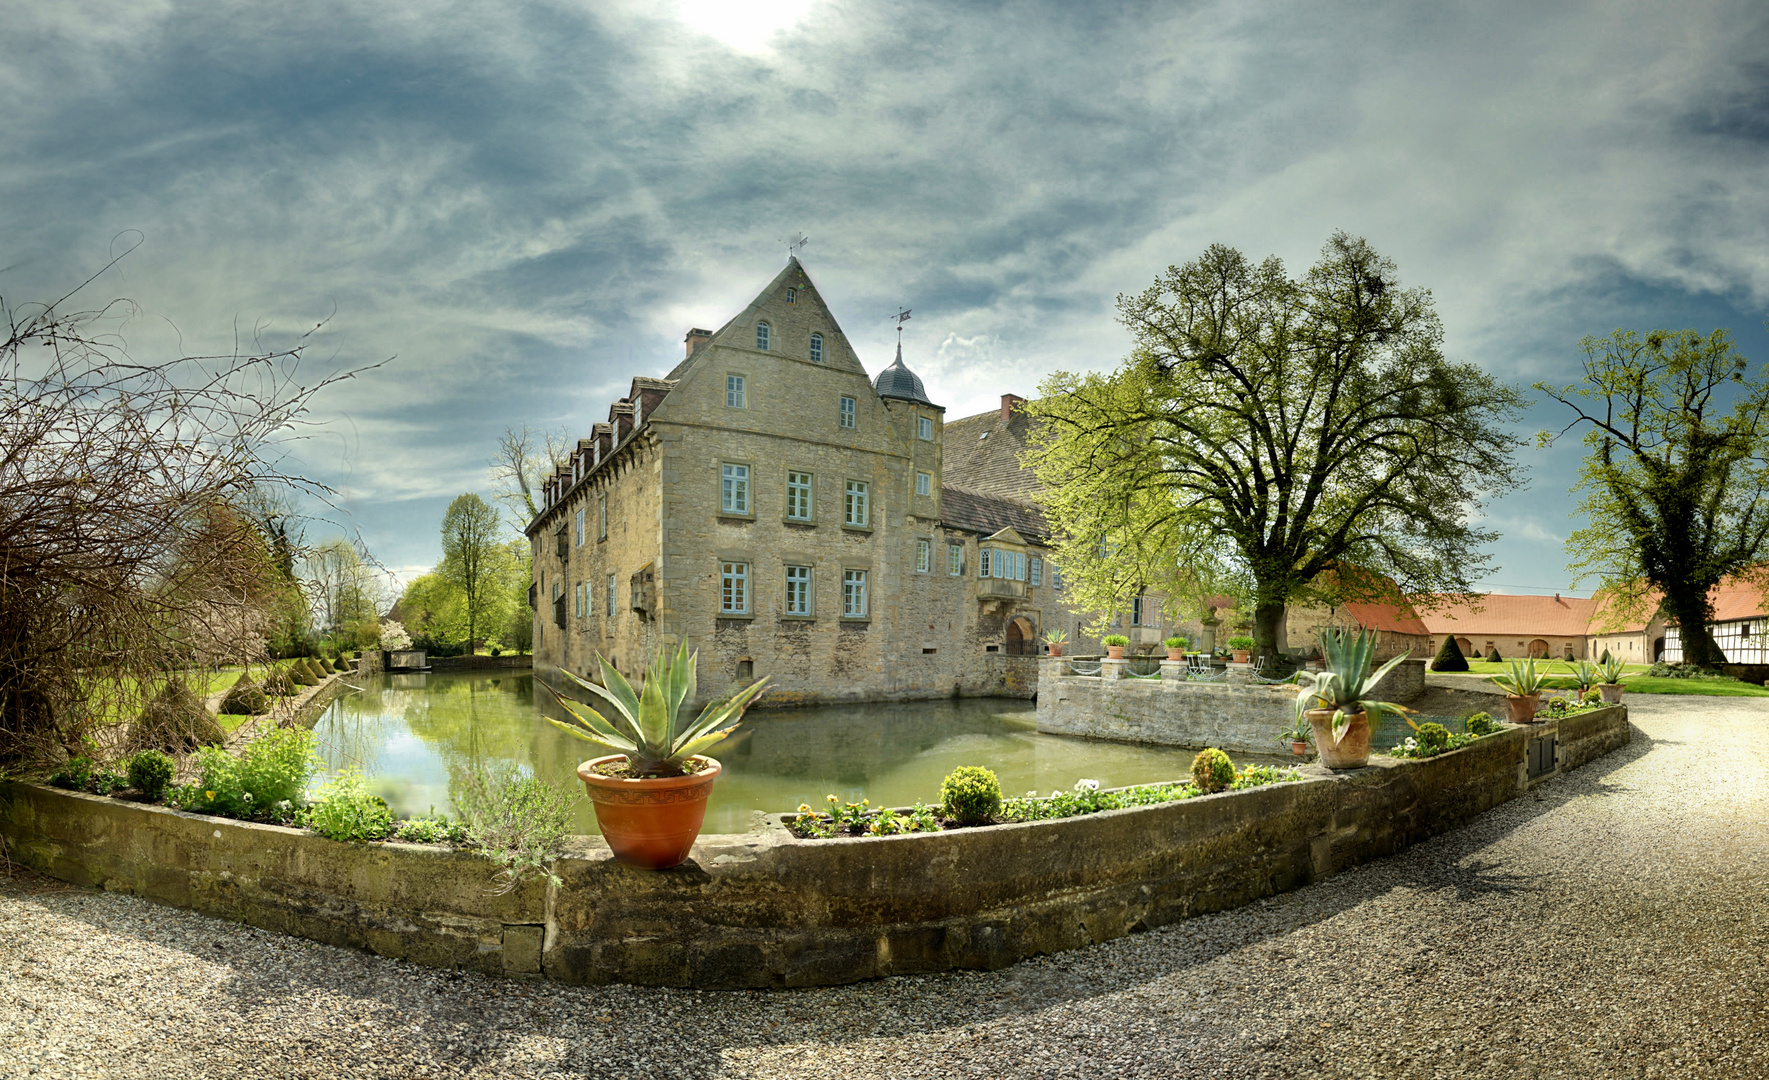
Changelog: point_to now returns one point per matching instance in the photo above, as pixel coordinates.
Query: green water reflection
(408, 733)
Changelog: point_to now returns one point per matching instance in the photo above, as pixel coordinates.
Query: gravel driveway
(1615, 923)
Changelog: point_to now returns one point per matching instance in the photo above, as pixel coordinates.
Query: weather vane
(902, 317)
(796, 244)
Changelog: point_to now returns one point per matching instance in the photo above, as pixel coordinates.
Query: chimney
(1008, 401)
(696, 337)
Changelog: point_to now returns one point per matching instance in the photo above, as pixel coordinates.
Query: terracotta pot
(1176, 654)
(1351, 752)
(1611, 691)
(1299, 747)
(649, 821)
(1522, 707)
(1114, 652)
(1056, 650)
(1241, 655)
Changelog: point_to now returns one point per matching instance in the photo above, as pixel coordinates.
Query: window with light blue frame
(816, 348)
(764, 335)
(847, 411)
(735, 396)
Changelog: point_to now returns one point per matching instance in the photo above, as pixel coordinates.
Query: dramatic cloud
(529, 203)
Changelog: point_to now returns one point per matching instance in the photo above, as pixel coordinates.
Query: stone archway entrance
(1465, 645)
(1022, 638)
(1538, 649)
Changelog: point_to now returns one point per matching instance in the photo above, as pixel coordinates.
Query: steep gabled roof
(739, 330)
(982, 453)
(987, 514)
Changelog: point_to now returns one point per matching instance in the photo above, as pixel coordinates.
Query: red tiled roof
(1533, 616)
(1397, 619)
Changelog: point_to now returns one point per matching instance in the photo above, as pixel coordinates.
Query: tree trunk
(1268, 627)
(1693, 615)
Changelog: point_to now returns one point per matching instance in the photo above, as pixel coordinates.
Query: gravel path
(1615, 923)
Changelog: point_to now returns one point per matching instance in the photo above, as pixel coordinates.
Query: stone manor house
(792, 518)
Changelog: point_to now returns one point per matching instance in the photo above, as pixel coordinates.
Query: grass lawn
(1487, 667)
(1638, 683)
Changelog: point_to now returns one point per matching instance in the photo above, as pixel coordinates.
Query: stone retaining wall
(1241, 717)
(768, 910)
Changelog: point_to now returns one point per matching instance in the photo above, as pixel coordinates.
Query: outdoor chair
(1263, 668)
(1198, 669)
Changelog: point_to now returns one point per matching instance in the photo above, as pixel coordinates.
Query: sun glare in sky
(745, 25)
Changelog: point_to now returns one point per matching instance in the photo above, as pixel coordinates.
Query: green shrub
(1450, 658)
(278, 681)
(1433, 738)
(347, 811)
(519, 822)
(1480, 723)
(76, 775)
(1177, 641)
(1115, 639)
(430, 831)
(150, 772)
(300, 675)
(1212, 771)
(265, 782)
(1493, 657)
(970, 795)
(176, 720)
(1604, 659)
(497, 650)
(1240, 641)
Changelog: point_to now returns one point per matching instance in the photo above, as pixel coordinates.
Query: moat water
(412, 734)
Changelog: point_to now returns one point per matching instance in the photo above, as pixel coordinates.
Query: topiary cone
(1450, 658)
(245, 699)
(175, 721)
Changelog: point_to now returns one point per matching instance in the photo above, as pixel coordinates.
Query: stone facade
(789, 518)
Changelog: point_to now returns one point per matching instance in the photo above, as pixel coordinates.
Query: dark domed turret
(899, 382)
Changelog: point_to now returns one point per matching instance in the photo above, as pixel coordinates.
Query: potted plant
(1055, 639)
(1334, 702)
(1114, 644)
(650, 796)
(1242, 647)
(1611, 686)
(1586, 675)
(1297, 737)
(1176, 646)
(1522, 684)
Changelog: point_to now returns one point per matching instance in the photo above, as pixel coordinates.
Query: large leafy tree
(1305, 438)
(1676, 489)
(473, 558)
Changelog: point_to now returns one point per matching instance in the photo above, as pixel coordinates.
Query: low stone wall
(1238, 716)
(768, 910)
(506, 662)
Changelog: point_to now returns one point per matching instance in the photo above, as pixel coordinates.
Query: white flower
(1087, 785)
(1411, 743)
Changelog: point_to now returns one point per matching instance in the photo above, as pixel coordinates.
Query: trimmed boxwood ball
(1212, 771)
(1433, 737)
(150, 772)
(245, 699)
(970, 795)
(1450, 658)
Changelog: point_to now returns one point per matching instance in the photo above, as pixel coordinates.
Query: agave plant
(1521, 679)
(1612, 669)
(1344, 680)
(1586, 675)
(646, 725)
(1055, 637)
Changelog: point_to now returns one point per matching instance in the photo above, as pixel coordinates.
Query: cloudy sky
(528, 203)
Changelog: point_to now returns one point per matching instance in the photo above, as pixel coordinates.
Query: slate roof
(980, 453)
(989, 514)
(898, 381)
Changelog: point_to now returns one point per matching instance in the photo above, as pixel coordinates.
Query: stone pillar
(1050, 667)
(1240, 674)
(1208, 645)
(1173, 671)
(1113, 669)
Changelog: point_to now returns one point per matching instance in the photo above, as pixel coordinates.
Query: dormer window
(762, 335)
(816, 348)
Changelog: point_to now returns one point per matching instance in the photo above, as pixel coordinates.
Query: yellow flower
(211, 795)
(833, 799)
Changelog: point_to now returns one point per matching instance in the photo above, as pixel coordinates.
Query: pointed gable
(793, 308)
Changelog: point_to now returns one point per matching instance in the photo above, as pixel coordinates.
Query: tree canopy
(470, 558)
(1265, 430)
(1675, 480)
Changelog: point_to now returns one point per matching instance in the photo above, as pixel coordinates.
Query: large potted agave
(1335, 699)
(650, 795)
(1522, 684)
(1611, 686)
